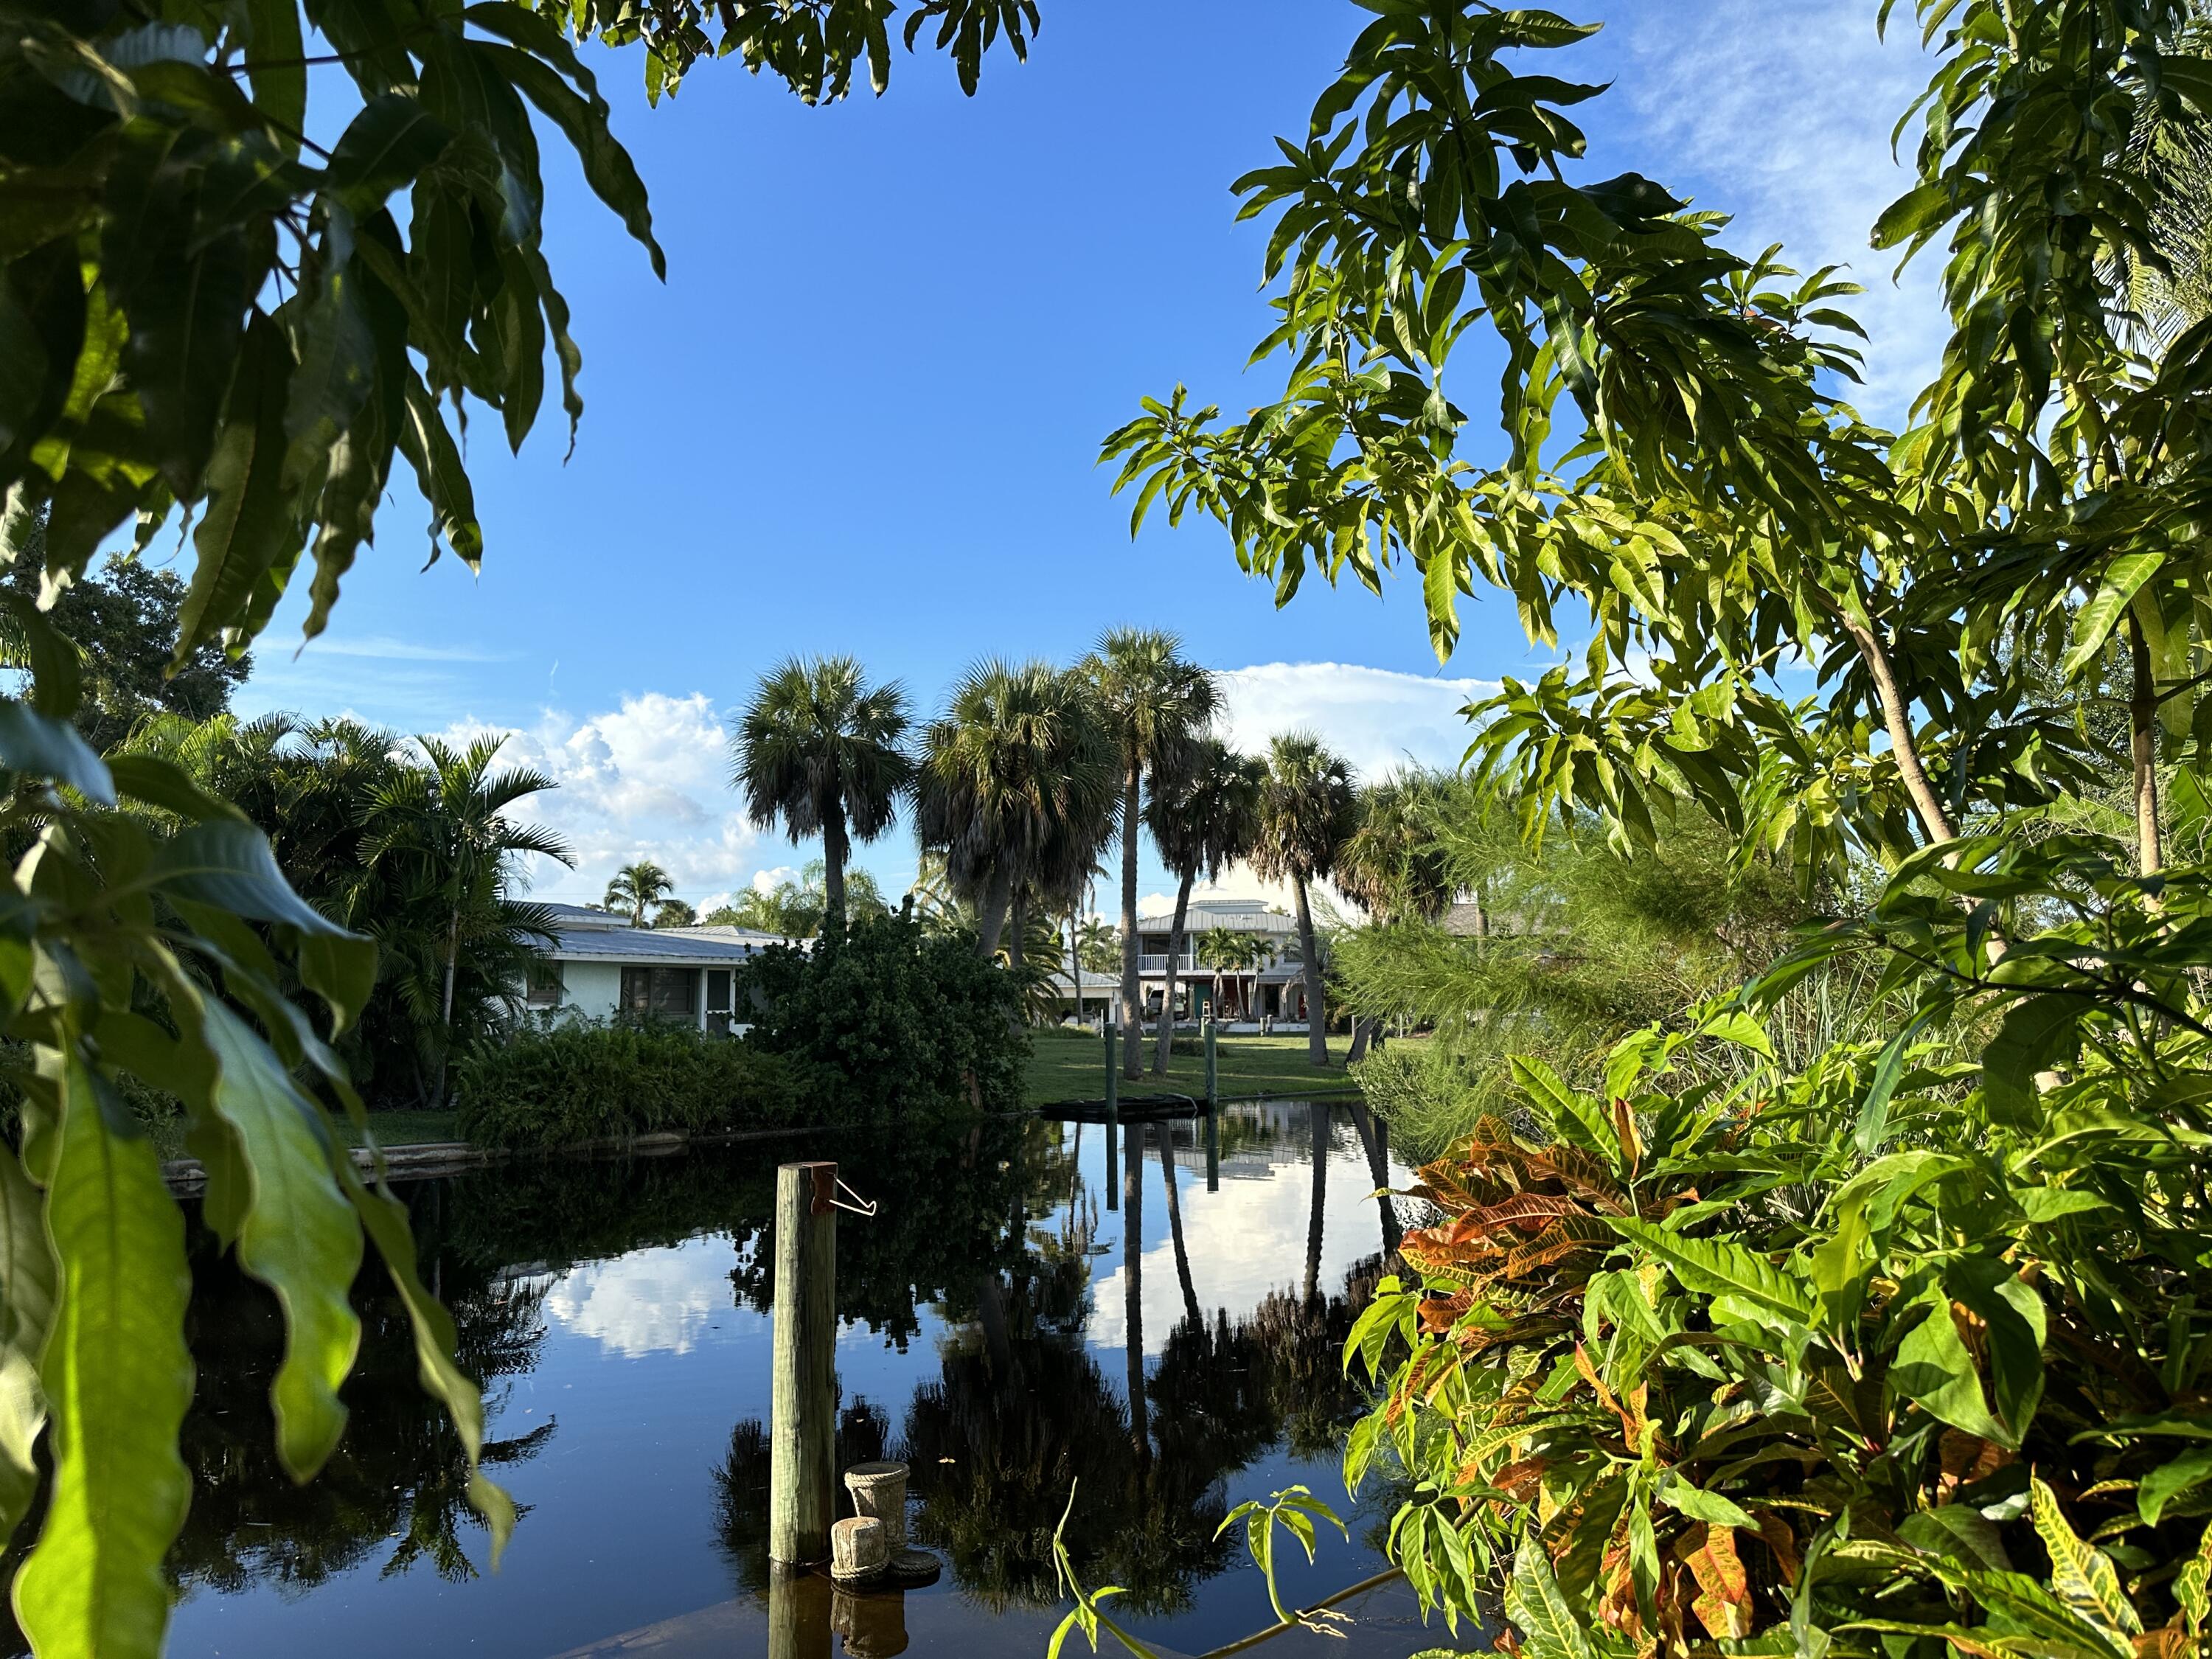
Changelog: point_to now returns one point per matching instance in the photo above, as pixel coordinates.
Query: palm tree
(1226, 951)
(1203, 818)
(826, 753)
(637, 888)
(1393, 865)
(1010, 774)
(1156, 706)
(445, 827)
(1305, 815)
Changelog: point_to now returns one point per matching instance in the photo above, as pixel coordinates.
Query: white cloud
(382, 648)
(651, 1301)
(1785, 113)
(1380, 720)
(648, 779)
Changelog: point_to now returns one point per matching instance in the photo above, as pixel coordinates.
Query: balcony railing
(1149, 963)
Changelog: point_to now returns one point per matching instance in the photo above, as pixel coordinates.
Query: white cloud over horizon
(649, 778)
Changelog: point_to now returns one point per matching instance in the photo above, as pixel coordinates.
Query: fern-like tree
(1157, 705)
(1203, 818)
(1012, 771)
(821, 751)
(1306, 814)
(637, 889)
(1392, 866)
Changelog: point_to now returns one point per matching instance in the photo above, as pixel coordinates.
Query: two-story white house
(601, 966)
(1272, 988)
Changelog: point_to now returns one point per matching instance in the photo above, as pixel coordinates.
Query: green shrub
(571, 1083)
(892, 1020)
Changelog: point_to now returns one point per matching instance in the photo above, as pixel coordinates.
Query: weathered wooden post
(1113, 1114)
(1212, 1112)
(802, 1478)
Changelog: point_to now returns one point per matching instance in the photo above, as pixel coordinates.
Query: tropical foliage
(571, 1084)
(795, 909)
(1307, 810)
(1204, 817)
(823, 753)
(887, 1018)
(208, 315)
(1887, 1343)
(1157, 707)
(1012, 789)
(639, 888)
(411, 842)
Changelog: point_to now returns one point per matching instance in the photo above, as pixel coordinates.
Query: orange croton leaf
(1723, 1602)
(1624, 1131)
(2167, 1642)
(1775, 1531)
(1439, 1314)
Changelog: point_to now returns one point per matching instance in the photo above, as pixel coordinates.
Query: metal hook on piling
(860, 1205)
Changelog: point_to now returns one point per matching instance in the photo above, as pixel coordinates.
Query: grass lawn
(1063, 1066)
(403, 1129)
(1072, 1066)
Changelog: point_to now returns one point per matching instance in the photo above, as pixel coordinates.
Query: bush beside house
(890, 1020)
(568, 1085)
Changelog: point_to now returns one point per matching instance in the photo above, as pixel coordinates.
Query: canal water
(1021, 1320)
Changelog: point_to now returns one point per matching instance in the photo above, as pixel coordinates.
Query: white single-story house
(600, 967)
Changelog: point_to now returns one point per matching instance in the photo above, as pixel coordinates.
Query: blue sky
(863, 413)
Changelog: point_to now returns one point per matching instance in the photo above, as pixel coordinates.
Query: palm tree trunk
(446, 1002)
(1175, 1223)
(1075, 966)
(1167, 1001)
(1133, 1006)
(1374, 1140)
(1316, 1030)
(1017, 925)
(1133, 1286)
(1316, 1218)
(992, 922)
(2142, 745)
(837, 847)
(1362, 1028)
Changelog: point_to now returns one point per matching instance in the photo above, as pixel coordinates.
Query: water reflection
(1006, 1339)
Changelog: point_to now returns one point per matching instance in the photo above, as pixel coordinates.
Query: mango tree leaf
(249, 527)
(28, 1288)
(2093, 623)
(41, 747)
(296, 1232)
(118, 1379)
(386, 1220)
(226, 863)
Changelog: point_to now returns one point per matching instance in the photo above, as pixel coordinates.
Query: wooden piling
(802, 1481)
(1113, 1114)
(1212, 1111)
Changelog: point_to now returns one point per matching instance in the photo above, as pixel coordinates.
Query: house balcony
(1158, 964)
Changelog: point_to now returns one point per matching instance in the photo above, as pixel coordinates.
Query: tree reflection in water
(1021, 1410)
(991, 1230)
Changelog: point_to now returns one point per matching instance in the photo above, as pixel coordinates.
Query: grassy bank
(1072, 1066)
(1063, 1066)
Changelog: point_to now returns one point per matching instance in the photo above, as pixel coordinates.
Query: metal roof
(1240, 916)
(673, 947)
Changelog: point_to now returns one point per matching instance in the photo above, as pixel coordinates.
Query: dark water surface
(999, 1321)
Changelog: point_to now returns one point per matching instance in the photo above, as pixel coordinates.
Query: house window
(545, 985)
(718, 1001)
(660, 993)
